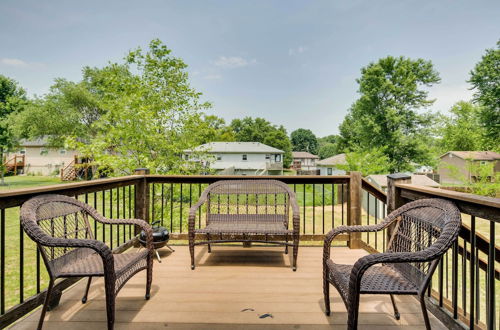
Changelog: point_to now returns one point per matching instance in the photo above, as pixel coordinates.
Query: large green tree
(485, 79)
(304, 140)
(462, 129)
(386, 117)
(328, 146)
(260, 130)
(141, 112)
(12, 100)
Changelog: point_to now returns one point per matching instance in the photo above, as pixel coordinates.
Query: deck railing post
(394, 199)
(142, 196)
(354, 198)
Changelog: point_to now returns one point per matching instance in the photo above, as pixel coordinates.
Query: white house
(304, 161)
(329, 166)
(244, 158)
(40, 159)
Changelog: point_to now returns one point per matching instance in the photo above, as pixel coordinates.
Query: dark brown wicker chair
(60, 226)
(247, 211)
(423, 231)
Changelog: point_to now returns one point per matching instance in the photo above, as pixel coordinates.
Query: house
(304, 161)
(329, 166)
(40, 158)
(374, 206)
(244, 158)
(458, 167)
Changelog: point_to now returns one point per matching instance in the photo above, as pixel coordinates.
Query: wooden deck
(226, 282)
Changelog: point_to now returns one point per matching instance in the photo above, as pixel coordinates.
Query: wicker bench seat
(245, 211)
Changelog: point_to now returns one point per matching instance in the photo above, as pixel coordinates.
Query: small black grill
(161, 235)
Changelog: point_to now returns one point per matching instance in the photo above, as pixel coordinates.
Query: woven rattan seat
(246, 211)
(422, 231)
(60, 225)
(377, 279)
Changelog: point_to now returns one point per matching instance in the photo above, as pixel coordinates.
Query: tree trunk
(2, 168)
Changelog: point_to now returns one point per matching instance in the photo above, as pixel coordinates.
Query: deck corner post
(394, 199)
(354, 198)
(142, 196)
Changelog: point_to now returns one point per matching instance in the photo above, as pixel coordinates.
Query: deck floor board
(225, 282)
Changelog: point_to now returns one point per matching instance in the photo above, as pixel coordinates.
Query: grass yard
(27, 181)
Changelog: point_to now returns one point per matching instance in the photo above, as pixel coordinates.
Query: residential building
(304, 161)
(243, 158)
(40, 158)
(375, 206)
(460, 167)
(329, 166)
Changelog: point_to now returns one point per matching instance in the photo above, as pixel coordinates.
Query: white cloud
(231, 62)
(297, 51)
(13, 62)
(212, 77)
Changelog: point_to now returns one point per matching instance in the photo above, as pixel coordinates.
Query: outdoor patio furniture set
(246, 211)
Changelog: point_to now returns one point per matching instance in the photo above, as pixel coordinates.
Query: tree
(462, 129)
(213, 129)
(141, 112)
(369, 162)
(304, 140)
(260, 130)
(386, 116)
(485, 80)
(12, 100)
(328, 146)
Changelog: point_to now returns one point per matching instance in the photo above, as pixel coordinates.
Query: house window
(277, 158)
(62, 151)
(22, 151)
(244, 157)
(186, 157)
(44, 152)
(219, 157)
(268, 156)
(329, 171)
(483, 162)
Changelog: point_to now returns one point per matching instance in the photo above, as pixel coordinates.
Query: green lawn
(26, 181)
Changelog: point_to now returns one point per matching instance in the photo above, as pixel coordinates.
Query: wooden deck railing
(325, 202)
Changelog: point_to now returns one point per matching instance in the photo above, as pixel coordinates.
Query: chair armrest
(194, 209)
(350, 229)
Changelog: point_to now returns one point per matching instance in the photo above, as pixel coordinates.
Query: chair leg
(286, 246)
(149, 276)
(84, 298)
(424, 311)
(353, 312)
(326, 292)
(109, 286)
(208, 245)
(45, 304)
(191, 249)
(397, 316)
(295, 253)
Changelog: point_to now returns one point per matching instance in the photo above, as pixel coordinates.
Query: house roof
(236, 147)
(33, 143)
(303, 154)
(475, 155)
(416, 179)
(334, 160)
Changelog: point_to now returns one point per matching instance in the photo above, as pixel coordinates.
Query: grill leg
(169, 247)
(396, 311)
(84, 298)
(45, 304)
(158, 256)
(424, 311)
(209, 248)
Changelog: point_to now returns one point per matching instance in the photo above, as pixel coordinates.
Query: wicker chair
(423, 231)
(246, 211)
(60, 226)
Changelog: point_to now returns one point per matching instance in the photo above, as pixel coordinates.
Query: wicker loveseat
(60, 225)
(422, 232)
(246, 211)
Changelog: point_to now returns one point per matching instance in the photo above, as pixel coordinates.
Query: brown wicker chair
(423, 231)
(60, 226)
(247, 211)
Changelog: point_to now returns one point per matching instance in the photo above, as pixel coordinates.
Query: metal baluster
(454, 279)
(162, 202)
(21, 264)
(304, 205)
(180, 210)
(2, 257)
(314, 208)
(172, 207)
(333, 205)
(323, 206)
(490, 289)
(111, 217)
(472, 265)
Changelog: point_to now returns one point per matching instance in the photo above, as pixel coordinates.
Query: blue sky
(291, 62)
